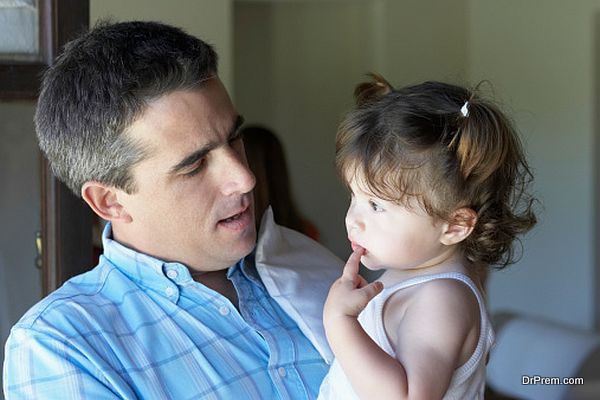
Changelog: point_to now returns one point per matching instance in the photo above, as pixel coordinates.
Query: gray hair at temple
(100, 84)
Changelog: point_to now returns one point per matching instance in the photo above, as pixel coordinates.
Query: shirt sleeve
(41, 366)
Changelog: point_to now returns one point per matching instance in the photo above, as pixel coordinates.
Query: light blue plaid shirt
(137, 327)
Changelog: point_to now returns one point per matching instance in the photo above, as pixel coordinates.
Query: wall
(299, 81)
(208, 19)
(20, 281)
(296, 65)
(541, 63)
(422, 40)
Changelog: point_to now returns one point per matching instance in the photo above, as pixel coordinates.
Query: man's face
(193, 202)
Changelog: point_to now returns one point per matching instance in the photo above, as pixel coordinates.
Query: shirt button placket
(223, 310)
(282, 372)
(172, 274)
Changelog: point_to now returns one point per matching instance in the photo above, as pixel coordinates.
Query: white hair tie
(464, 110)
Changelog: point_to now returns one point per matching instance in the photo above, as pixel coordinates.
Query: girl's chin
(371, 264)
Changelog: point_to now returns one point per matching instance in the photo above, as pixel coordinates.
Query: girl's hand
(349, 295)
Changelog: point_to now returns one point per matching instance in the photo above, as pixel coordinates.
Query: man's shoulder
(73, 298)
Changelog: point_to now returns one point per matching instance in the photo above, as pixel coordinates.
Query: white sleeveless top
(468, 381)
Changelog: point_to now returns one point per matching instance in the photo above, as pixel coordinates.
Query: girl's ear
(459, 227)
(103, 201)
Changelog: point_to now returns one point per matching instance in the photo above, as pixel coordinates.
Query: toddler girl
(437, 178)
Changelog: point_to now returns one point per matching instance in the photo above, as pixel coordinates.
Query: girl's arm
(369, 369)
(433, 330)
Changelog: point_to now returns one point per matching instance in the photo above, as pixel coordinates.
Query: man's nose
(237, 176)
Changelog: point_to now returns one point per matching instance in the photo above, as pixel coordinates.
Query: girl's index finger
(351, 267)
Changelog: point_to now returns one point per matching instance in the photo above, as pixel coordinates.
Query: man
(134, 119)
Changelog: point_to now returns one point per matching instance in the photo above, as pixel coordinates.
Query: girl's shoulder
(433, 302)
(434, 323)
(435, 287)
(445, 293)
(442, 291)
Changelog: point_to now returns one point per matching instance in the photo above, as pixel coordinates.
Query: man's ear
(103, 201)
(459, 226)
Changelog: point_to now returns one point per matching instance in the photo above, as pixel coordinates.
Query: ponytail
(496, 176)
(369, 91)
(482, 142)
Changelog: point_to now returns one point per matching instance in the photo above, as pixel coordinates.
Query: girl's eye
(375, 207)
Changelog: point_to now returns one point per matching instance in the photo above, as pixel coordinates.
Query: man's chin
(245, 244)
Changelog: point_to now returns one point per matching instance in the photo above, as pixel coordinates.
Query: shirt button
(169, 291)
(281, 372)
(172, 274)
(223, 310)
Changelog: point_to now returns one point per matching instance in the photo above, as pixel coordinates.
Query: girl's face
(394, 237)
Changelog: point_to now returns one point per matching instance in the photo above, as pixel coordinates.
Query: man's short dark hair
(100, 84)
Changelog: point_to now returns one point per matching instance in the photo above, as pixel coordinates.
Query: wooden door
(66, 232)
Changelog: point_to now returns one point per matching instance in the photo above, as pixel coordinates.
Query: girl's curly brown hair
(448, 148)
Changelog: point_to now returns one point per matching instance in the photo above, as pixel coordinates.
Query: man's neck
(217, 281)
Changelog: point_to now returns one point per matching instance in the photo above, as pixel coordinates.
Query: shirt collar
(124, 257)
(247, 267)
(159, 275)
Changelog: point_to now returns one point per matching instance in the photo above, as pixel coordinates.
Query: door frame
(66, 231)
(66, 220)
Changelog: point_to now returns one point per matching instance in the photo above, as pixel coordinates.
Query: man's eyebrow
(235, 132)
(204, 150)
(192, 158)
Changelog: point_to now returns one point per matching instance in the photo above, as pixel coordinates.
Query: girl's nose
(353, 221)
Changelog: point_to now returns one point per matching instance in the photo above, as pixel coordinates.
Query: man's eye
(196, 170)
(375, 207)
